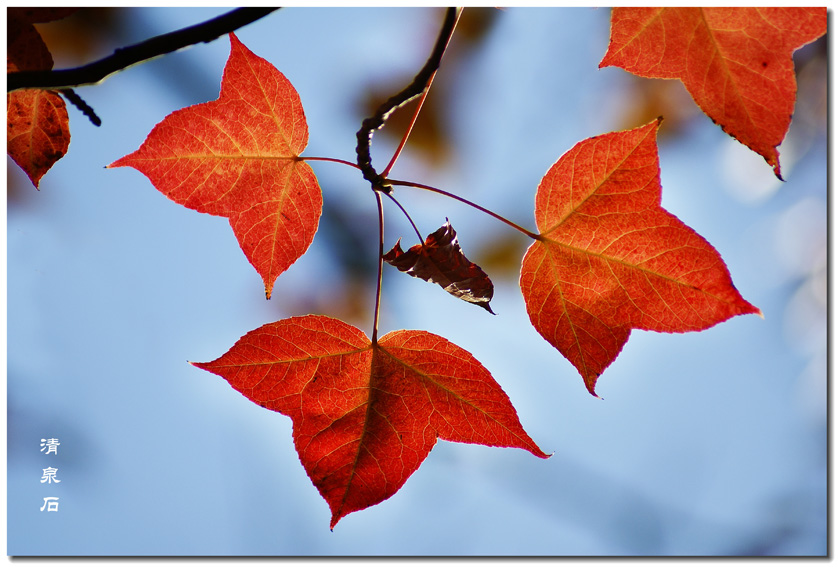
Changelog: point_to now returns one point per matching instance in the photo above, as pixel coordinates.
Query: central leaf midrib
(728, 73)
(629, 265)
(291, 157)
(364, 430)
(582, 357)
(284, 196)
(291, 360)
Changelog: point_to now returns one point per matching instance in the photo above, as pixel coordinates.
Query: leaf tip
(117, 163)
(34, 178)
(541, 454)
(590, 385)
(201, 365)
(749, 309)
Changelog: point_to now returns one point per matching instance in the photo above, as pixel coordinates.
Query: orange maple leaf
(238, 157)
(735, 62)
(365, 415)
(609, 258)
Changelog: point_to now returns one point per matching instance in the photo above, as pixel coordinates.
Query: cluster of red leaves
(607, 258)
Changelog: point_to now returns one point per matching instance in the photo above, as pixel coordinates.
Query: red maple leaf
(366, 414)
(238, 157)
(37, 124)
(440, 260)
(735, 62)
(609, 258)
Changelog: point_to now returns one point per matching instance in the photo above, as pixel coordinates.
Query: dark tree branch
(127, 56)
(79, 103)
(414, 89)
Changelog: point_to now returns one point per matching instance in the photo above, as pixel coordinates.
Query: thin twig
(97, 71)
(414, 89)
(79, 103)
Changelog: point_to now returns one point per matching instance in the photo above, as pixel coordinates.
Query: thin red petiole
(517, 227)
(380, 266)
(413, 224)
(335, 160)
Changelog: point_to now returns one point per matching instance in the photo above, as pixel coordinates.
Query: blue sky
(704, 443)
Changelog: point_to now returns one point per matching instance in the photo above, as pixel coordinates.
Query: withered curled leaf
(439, 260)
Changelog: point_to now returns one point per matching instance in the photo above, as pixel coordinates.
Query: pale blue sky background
(707, 443)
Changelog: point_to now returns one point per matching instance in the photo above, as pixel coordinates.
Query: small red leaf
(366, 415)
(37, 124)
(238, 157)
(439, 260)
(610, 258)
(735, 62)
(37, 131)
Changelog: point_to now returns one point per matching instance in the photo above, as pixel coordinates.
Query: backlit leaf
(735, 62)
(238, 157)
(610, 259)
(365, 415)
